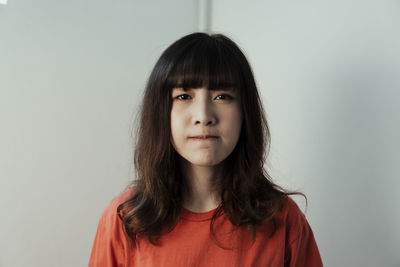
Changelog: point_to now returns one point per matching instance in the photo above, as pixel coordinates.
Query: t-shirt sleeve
(110, 243)
(301, 249)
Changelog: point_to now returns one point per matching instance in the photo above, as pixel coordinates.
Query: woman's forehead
(206, 76)
(185, 89)
(193, 82)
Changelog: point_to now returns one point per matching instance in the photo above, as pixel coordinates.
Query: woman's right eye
(183, 97)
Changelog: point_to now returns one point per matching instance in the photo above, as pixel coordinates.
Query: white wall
(71, 76)
(329, 72)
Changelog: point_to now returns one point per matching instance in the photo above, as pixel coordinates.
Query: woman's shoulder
(290, 213)
(289, 207)
(110, 211)
(122, 197)
(110, 242)
(301, 246)
(294, 221)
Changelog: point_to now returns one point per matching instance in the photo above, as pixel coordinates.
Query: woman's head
(187, 95)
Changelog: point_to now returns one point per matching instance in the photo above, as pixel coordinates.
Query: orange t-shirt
(189, 243)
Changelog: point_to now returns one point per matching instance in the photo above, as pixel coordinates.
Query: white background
(72, 75)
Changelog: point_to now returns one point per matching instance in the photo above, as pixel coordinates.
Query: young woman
(202, 196)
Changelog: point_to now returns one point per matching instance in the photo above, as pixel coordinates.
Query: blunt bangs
(205, 63)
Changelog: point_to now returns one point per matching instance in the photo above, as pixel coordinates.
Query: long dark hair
(249, 197)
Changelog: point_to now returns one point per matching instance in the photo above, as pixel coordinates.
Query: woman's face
(205, 125)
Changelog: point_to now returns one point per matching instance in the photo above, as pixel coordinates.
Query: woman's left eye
(224, 97)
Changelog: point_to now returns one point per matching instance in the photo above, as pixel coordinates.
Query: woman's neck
(200, 196)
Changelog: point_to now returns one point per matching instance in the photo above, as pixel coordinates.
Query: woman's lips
(208, 137)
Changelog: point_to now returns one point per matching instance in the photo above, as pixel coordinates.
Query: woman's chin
(210, 162)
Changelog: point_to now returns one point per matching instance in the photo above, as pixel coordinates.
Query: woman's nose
(204, 113)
